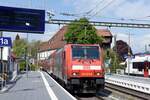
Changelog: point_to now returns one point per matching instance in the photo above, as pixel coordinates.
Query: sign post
(1, 50)
(27, 57)
(4, 42)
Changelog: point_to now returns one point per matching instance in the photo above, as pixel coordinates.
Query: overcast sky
(133, 11)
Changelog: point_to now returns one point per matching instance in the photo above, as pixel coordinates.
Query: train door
(146, 66)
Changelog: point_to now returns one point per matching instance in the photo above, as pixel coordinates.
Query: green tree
(82, 32)
(115, 60)
(33, 47)
(19, 47)
(17, 37)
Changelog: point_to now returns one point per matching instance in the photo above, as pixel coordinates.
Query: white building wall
(12, 66)
(45, 54)
(6, 53)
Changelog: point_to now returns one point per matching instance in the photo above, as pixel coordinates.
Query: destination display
(22, 20)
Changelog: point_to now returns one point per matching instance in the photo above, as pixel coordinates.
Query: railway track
(89, 97)
(113, 92)
(129, 93)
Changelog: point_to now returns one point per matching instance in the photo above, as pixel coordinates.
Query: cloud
(133, 9)
(84, 6)
(136, 43)
(41, 37)
(139, 43)
(31, 36)
(114, 8)
(120, 36)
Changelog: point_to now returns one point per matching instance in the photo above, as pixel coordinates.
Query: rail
(128, 92)
(124, 82)
(140, 87)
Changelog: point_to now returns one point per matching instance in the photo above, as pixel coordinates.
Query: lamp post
(27, 24)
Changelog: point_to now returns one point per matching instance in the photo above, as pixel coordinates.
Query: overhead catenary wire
(125, 19)
(86, 13)
(89, 12)
(144, 18)
(108, 4)
(97, 4)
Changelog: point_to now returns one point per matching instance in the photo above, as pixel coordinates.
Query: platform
(35, 86)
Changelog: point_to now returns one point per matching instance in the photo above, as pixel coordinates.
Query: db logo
(86, 67)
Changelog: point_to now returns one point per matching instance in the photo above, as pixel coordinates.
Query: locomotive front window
(92, 53)
(78, 52)
(87, 52)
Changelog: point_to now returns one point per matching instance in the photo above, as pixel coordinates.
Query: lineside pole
(129, 54)
(37, 59)
(115, 41)
(27, 57)
(2, 73)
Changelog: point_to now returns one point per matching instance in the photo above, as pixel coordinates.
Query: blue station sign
(5, 42)
(22, 20)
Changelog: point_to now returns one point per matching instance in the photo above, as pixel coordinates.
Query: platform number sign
(5, 42)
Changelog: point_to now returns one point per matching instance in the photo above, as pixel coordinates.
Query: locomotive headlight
(98, 73)
(74, 74)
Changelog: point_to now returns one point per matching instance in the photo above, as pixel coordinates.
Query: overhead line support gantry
(96, 23)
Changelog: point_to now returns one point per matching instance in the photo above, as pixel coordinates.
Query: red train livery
(79, 67)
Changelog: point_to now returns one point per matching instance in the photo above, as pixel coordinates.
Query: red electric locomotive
(79, 67)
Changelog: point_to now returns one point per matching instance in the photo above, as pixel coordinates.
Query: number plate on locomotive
(86, 74)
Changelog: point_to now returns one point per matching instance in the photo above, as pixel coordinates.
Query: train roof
(84, 44)
(140, 58)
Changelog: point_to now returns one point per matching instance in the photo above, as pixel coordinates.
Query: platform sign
(5, 42)
(22, 20)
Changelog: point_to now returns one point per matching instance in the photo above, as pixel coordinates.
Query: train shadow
(85, 95)
(104, 93)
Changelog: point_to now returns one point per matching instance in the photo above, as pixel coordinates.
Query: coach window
(135, 65)
(140, 66)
